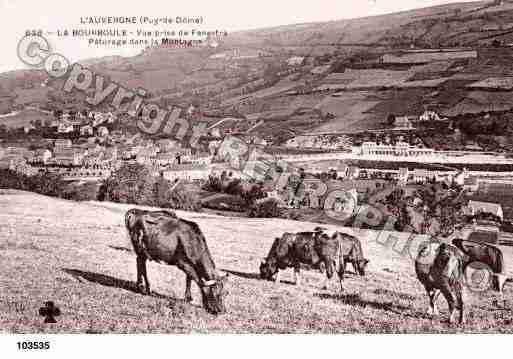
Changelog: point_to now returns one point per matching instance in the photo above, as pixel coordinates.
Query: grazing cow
(162, 237)
(439, 268)
(352, 252)
(486, 254)
(483, 257)
(317, 249)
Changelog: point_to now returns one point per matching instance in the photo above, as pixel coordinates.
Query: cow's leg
(447, 292)
(297, 275)
(145, 275)
(277, 278)
(141, 274)
(329, 273)
(501, 281)
(188, 295)
(190, 275)
(139, 282)
(341, 271)
(434, 293)
(458, 290)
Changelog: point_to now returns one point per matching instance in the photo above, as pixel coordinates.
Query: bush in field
(48, 184)
(255, 193)
(82, 192)
(132, 183)
(265, 209)
(167, 195)
(234, 187)
(10, 179)
(213, 184)
(227, 203)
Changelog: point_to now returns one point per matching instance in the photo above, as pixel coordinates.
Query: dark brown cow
(487, 254)
(162, 237)
(317, 249)
(352, 252)
(439, 267)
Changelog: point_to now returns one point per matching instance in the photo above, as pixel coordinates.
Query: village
(399, 114)
(88, 148)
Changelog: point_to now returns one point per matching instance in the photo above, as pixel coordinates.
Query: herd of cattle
(163, 237)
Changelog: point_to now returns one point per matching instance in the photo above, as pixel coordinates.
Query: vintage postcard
(265, 167)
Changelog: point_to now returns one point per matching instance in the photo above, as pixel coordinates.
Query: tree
(255, 193)
(131, 183)
(265, 209)
(234, 187)
(391, 119)
(214, 183)
(57, 113)
(496, 43)
(167, 195)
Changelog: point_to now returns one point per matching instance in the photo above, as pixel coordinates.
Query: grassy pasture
(78, 255)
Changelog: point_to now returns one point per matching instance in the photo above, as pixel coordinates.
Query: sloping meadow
(78, 256)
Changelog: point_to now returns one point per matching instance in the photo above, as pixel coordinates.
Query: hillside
(78, 255)
(450, 58)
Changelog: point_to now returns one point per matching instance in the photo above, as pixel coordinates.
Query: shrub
(234, 187)
(176, 197)
(255, 193)
(82, 192)
(48, 184)
(213, 184)
(227, 203)
(265, 209)
(132, 183)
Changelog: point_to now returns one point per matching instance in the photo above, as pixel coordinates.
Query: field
(78, 255)
(23, 118)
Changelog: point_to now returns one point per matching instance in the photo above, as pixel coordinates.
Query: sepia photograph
(232, 167)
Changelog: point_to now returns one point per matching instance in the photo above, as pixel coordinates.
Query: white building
(295, 60)
(421, 175)
(401, 149)
(430, 116)
(403, 175)
(486, 207)
(403, 122)
(103, 131)
(65, 127)
(187, 172)
(41, 156)
(86, 130)
(62, 144)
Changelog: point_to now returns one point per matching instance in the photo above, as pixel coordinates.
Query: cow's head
(214, 293)
(268, 269)
(361, 265)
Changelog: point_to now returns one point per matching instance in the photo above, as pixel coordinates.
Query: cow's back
(350, 246)
(327, 247)
(482, 252)
(305, 249)
(282, 249)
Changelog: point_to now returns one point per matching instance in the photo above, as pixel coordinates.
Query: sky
(17, 16)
